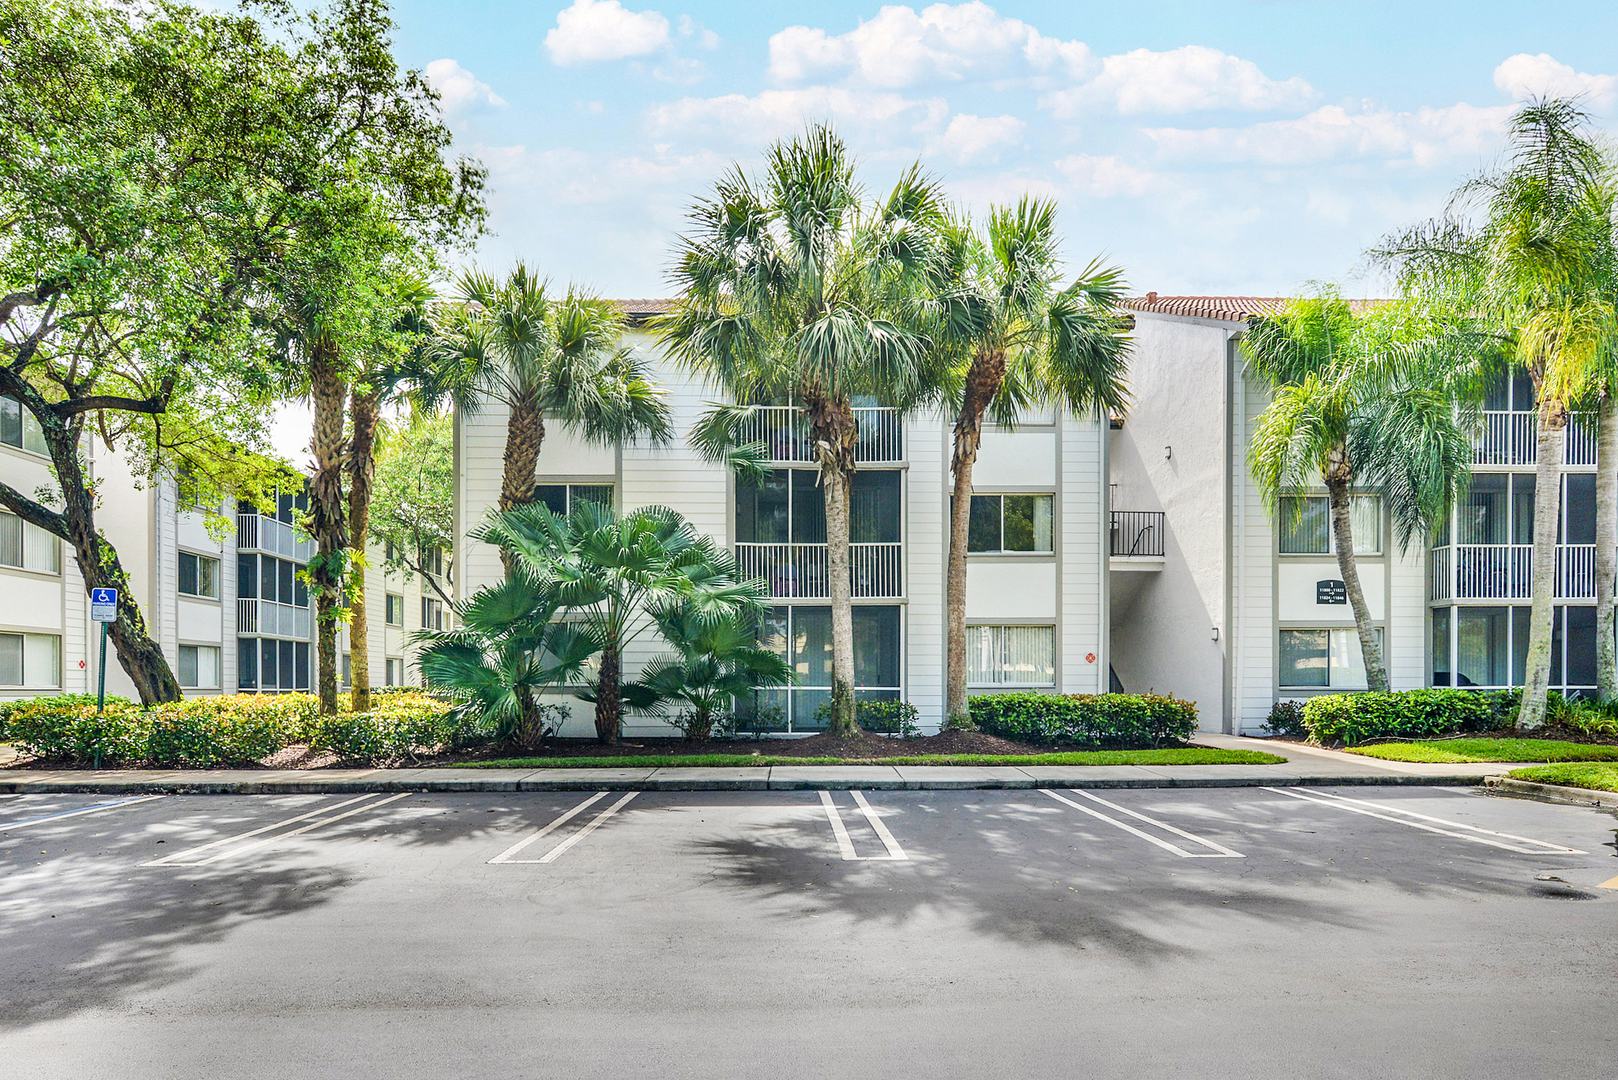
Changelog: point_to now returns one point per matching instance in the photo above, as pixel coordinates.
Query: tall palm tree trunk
(525, 435)
(1339, 502)
(326, 515)
(1607, 546)
(1547, 515)
(363, 415)
(983, 379)
(609, 696)
(835, 436)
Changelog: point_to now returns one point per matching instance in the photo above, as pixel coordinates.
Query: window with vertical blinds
(25, 546)
(1011, 655)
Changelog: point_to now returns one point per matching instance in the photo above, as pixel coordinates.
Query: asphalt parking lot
(1320, 932)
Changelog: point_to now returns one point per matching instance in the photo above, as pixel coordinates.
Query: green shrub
(1112, 721)
(224, 731)
(55, 700)
(880, 717)
(1286, 718)
(400, 727)
(1350, 719)
(71, 731)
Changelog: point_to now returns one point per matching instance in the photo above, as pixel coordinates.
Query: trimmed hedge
(1108, 721)
(1350, 719)
(225, 730)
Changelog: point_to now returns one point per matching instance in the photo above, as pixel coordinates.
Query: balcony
(1137, 533)
(266, 618)
(1510, 438)
(257, 532)
(1506, 572)
(876, 571)
(785, 434)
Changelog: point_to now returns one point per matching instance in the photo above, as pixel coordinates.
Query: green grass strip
(1184, 755)
(1595, 776)
(1465, 751)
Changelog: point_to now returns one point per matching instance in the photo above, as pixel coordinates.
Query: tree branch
(74, 406)
(33, 512)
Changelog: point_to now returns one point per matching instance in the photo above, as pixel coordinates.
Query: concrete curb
(1551, 793)
(315, 786)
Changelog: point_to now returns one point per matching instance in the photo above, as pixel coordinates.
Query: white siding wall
(1083, 498)
(1253, 631)
(926, 539)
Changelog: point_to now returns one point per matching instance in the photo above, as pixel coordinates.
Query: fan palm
(508, 649)
(614, 578)
(1007, 334)
(543, 358)
(794, 290)
(1528, 250)
(714, 662)
(1363, 404)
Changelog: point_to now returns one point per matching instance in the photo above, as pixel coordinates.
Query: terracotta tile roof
(1238, 309)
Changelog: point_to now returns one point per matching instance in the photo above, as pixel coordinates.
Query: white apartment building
(230, 613)
(1245, 610)
(1037, 576)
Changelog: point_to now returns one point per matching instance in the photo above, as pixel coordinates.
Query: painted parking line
(1610, 883)
(510, 854)
(64, 814)
(232, 846)
(845, 843)
(1522, 845)
(1215, 850)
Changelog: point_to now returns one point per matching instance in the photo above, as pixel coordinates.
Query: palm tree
(1527, 249)
(714, 662)
(396, 371)
(1007, 334)
(1606, 562)
(543, 358)
(506, 651)
(1360, 404)
(793, 290)
(615, 578)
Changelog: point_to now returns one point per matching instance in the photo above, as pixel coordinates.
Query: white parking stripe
(506, 856)
(95, 809)
(895, 852)
(1384, 812)
(838, 829)
(189, 857)
(595, 823)
(1216, 851)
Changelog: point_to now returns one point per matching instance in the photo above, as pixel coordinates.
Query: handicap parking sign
(104, 605)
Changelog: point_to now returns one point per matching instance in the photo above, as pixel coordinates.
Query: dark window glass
(300, 589)
(808, 508)
(598, 494)
(246, 664)
(875, 514)
(1441, 647)
(1483, 519)
(11, 421)
(811, 645)
(188, 573)
(876, 646)
(983, 526)
(552, 495)
(301, 660)
(247, 576)
(287, 661)
(1579, 509)
(1581, 646)
(267, 664)
(283, 508)
(1522, 509)
(284, 570)
(761, 510)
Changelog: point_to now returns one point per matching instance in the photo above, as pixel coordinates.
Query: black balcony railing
(1137, 532)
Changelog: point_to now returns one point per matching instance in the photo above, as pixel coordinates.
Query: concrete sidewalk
(1304, 765)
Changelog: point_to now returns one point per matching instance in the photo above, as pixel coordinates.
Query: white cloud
(593, 30)
(571, 177)
(971, 138)
(459, 89)
(901, 46)
(1528, 75)
(1106, 176)
(773, 114)
(1422, 137)
(1186, 79)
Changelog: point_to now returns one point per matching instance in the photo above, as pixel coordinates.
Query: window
(432, 560)
(25, 546)
(1491, 647)
(199, 667)
(395, 671)
(348, 671)
(191, 492)
(1324, 658)
(199, 575)
(31, 660)
(19, 428)
(566, 498)
(788, 507)
(432, 614)
(802, 636)
(279, 665)
(1010, 523)
(1011, 655)
(395, 610)
(1306, 525)
(246, 664)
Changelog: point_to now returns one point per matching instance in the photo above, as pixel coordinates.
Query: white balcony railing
(1506, 572)
(785, 434)
(266, 618)
(1510, 438)
(799, 570)
(254, 531)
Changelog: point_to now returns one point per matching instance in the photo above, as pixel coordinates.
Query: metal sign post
(104, 610)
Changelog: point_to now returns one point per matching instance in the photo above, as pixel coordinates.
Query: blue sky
(1229, 147)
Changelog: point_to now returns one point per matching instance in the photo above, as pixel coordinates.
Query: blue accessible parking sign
(104, 605)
